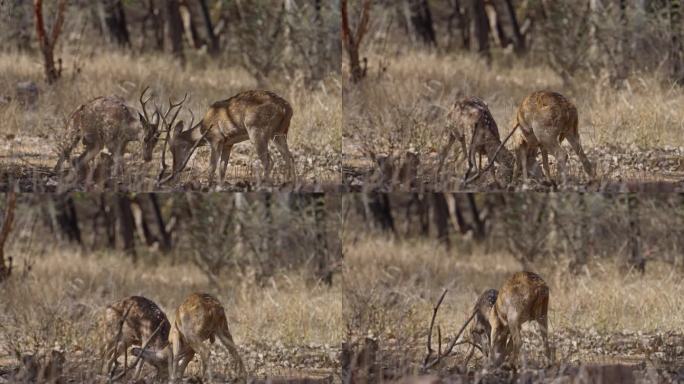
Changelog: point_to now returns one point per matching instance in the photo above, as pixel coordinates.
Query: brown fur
(257, 116)
(480, 328)
(546, 119)
(471, 117)
(200, 317)
(143, 318)
(523, 297)
(107, 122)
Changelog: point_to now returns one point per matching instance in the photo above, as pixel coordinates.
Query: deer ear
(141, 117)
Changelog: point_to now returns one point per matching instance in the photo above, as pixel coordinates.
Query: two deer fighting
(496, 320)
(168, 346)
(107, 122)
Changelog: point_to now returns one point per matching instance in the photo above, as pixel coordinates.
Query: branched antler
(429, 361)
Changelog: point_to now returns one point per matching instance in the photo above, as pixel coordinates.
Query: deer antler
(143, 102)
(427, 363)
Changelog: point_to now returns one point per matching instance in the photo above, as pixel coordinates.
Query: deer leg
(516, 340)
(545, 163)
(443, 152)
(574, 140)
(261, 146)
(184, 361)
(213, 161)
(203, 350)
(225, 155)
(561, 159)
(281, 143)
(543, 321)
(227, 340)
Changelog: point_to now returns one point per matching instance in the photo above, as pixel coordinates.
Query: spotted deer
(257, 116)
(480, 328)
(108, 122)
(545, 119)
(523, 297)
(200, 317)
(470, 117)
(132, 322)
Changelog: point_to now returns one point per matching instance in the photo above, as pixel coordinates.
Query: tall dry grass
(34, 133)
(57, 304)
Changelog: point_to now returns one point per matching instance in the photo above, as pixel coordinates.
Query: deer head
(150, 125)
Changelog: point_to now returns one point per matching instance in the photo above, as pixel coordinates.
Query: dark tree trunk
(677, 51)
(378, 209)
(636, 259)
(175, 23)
(325, 270)
(67, 218)
(126, 224)
(458, 20)
(440, 212)
(213, 39)
(5, 228)
(421, 21)
(480, 27)
(478, 224)
(113, 19)
(518, 38)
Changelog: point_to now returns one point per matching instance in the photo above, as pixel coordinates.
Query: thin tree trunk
(421, 21)
(677, 50)
(518, 38)
(7, 221)
(213, 39)
(636, 259)
(440, 212)
(126, 225)
(480, 27)
(478, 223)
(175, 23)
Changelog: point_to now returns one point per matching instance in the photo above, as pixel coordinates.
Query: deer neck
(193, 134)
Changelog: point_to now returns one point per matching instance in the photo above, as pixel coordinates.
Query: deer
(523, 297)
(107, 122)
(480, 329)
(200, 317)
(470, 116)
(255, 115)
(545, 119)
(132, 321)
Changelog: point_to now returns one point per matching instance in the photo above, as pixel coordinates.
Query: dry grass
(315, 133)
(276, 327)
(401, 109)
(392, 286)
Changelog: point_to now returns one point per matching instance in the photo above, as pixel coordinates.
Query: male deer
(200, 317)
(523, 297)
(107, 122)
(257, 116)
(545, 119)
(480, 329)
(132, 321)
(471, 117)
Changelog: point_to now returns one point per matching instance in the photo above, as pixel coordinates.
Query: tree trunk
(126, 225)
(636, 259)
(378, 209)
(325, 270)
(351, 39)
(113, 21)
(213, 39)
(440, 212)
(7, 221)
(48, 42)
(478, 222)
(420, 19)
(67, 218)
(677, 50)
(518, 38)
(480, 27)
(458, 21)
(175, 24)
